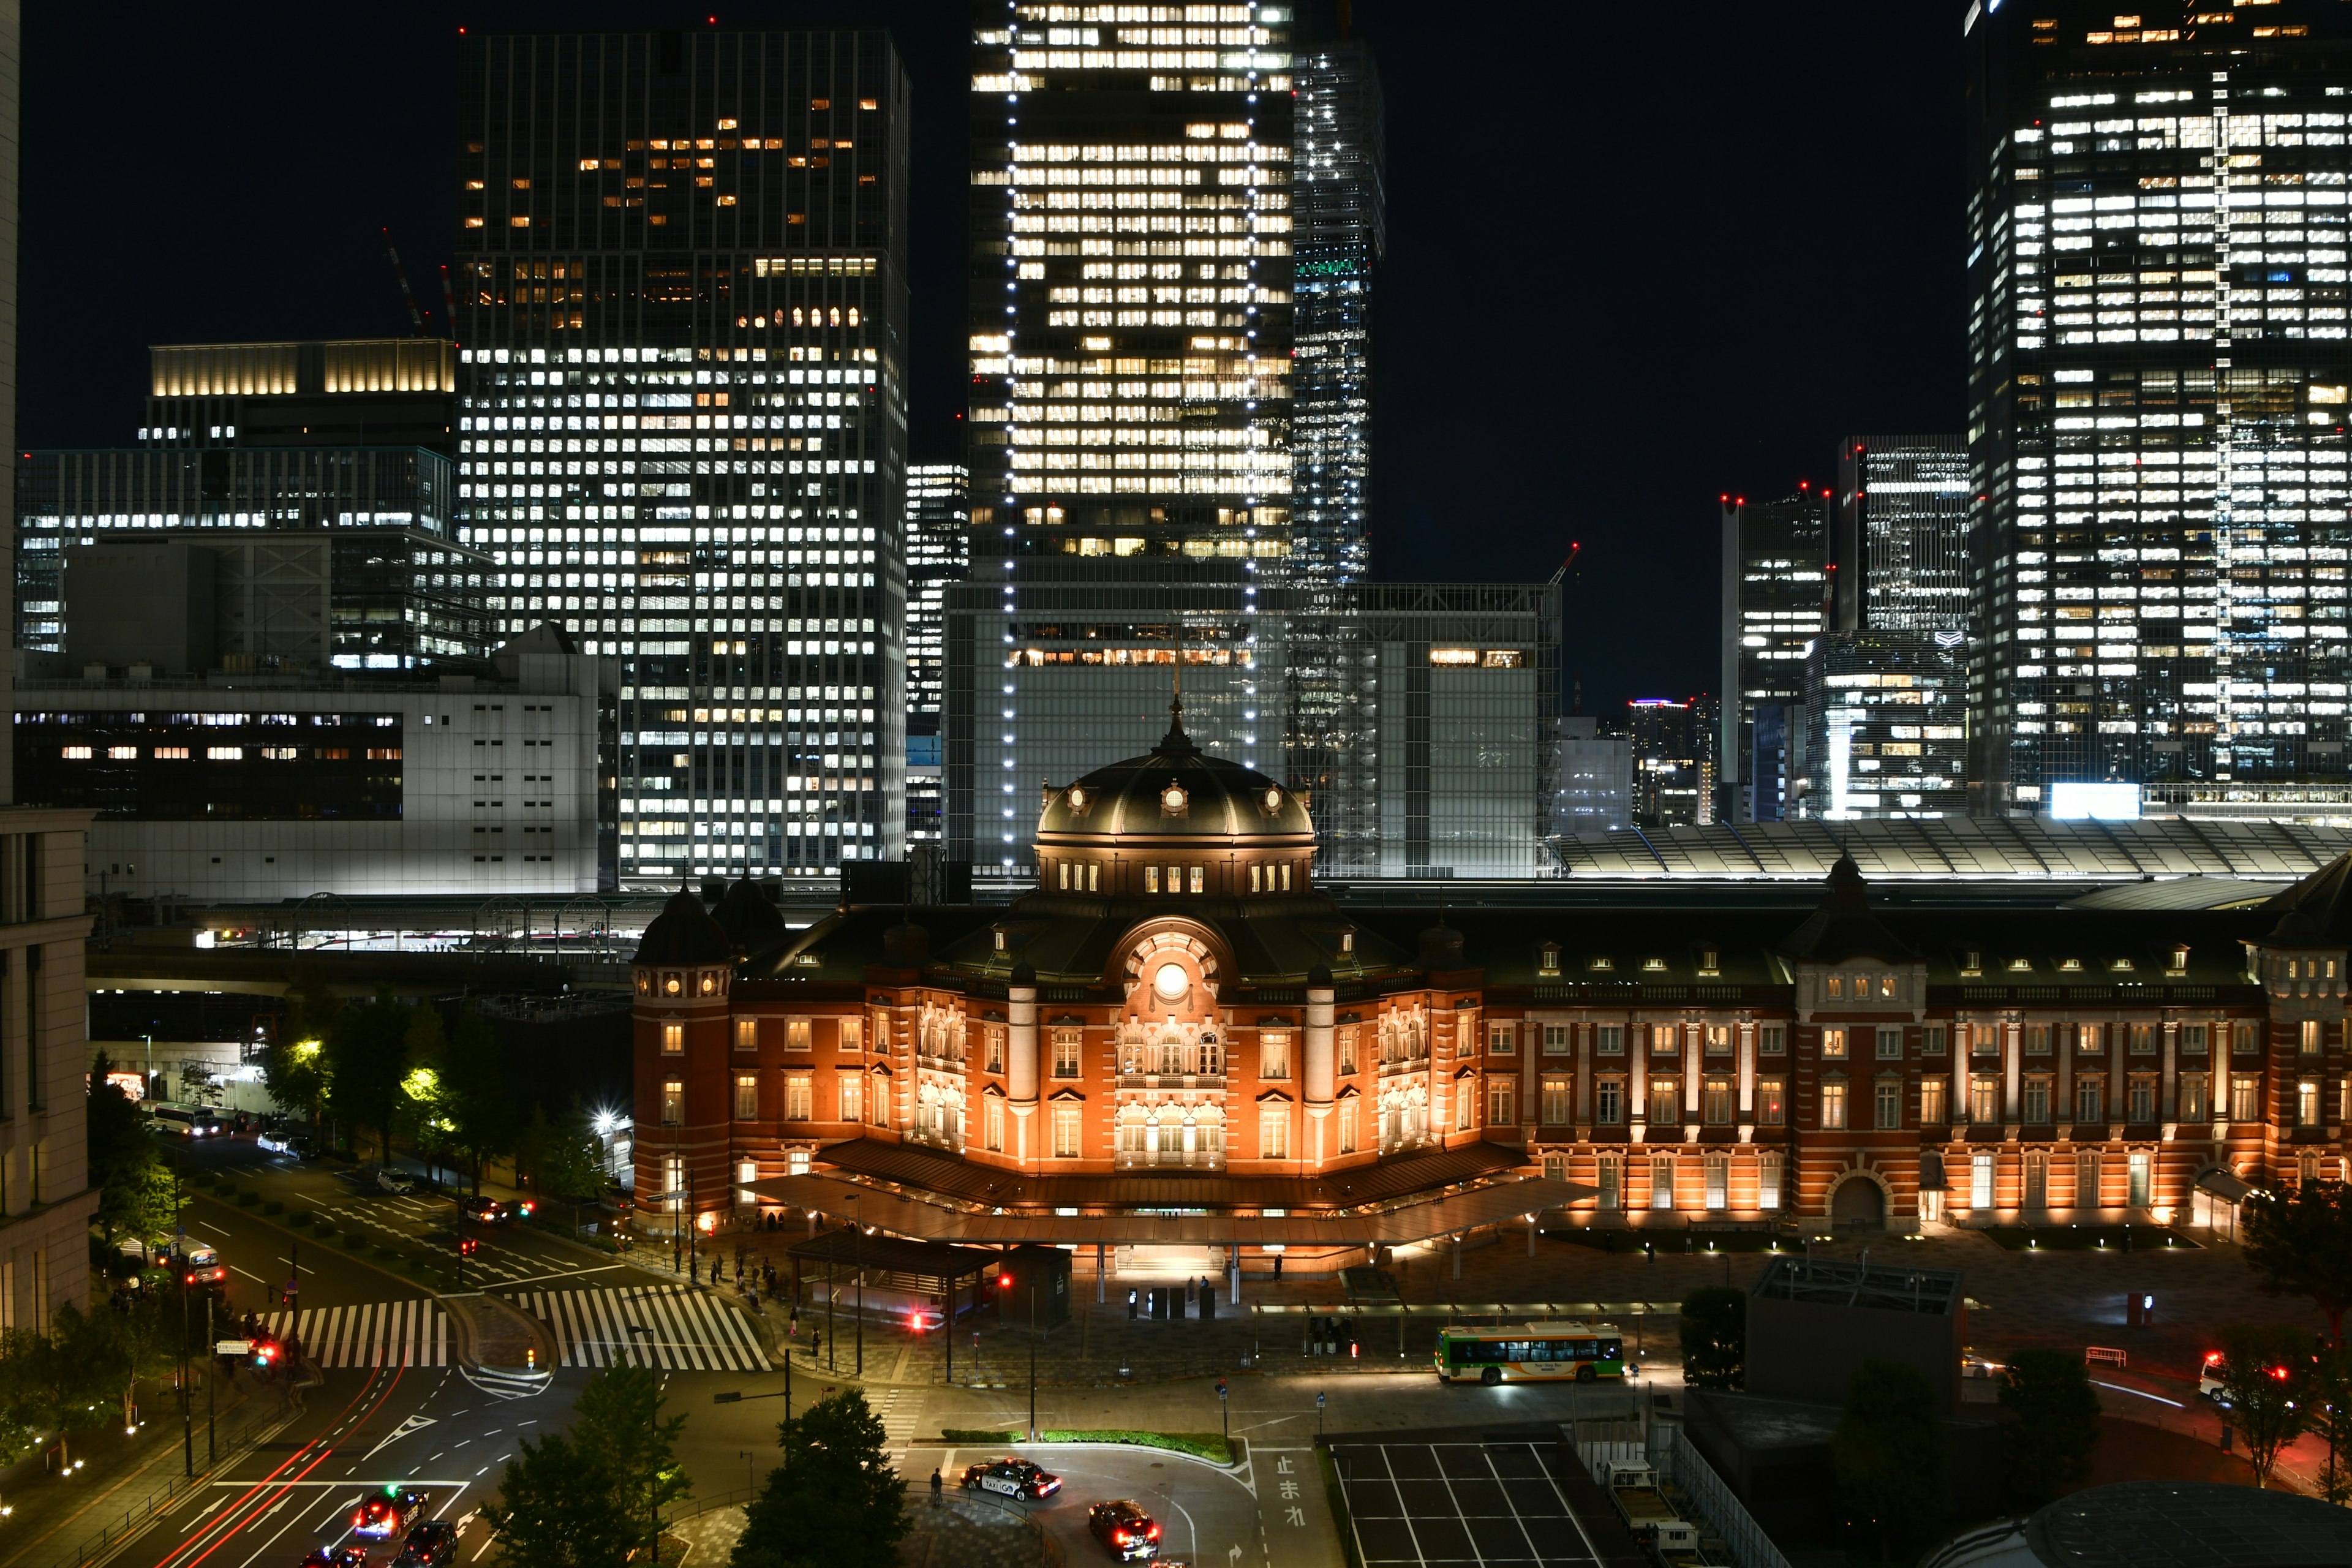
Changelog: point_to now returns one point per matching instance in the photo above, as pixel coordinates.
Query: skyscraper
(1775, 600)
(2158, 379)
(1341, 233)
(1130, 429)
(1903, 514)
(1330, 740)
(682, 296)
(938, 552)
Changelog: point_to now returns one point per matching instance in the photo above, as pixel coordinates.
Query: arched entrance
(1859, 1204)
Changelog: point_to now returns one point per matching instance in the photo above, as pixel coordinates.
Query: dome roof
(752, 924)
(1175, 791)
(682, 933)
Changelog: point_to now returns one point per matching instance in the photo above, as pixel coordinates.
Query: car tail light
(1152, 1533)
(2212, 1358)
(1120, 1537)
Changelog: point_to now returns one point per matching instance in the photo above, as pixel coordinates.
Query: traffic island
(497, 1337)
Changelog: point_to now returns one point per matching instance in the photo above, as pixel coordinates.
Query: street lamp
(1224, 1420)
(857, 1268)
(1319, 1415)
(653, 1496)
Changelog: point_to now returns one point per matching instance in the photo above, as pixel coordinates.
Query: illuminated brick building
(1177, 1022)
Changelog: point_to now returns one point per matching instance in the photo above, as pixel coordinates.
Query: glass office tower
(938, 552)
(1904, 506)
(1132, 405)
(682, 296)
(2158, 375)
(1776, 596)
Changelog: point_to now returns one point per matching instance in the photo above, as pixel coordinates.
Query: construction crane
(448, 306)
(416, 316)
(1574, 549)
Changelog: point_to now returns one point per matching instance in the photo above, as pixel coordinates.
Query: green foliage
(2048, 1446)
(298, 1219)
(295, 1069)
(2328, 1409)
(557, 1507)
(2266, 1371)
(135, 1192)
(1715, 1337)
(2301, 1245)
(1887, 1455)
(248, 1198)
(582, 1498)
(366, 1057)
(479, 1099)
(564, 1159)
(834, 1503)
(272, 1206)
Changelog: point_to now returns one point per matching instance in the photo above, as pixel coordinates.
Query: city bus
(1528, 1353)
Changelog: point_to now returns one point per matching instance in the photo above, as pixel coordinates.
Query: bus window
(1612, 1350)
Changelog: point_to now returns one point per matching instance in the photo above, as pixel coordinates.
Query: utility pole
(212, 1393)
(1033, 1353)
(857, 1266)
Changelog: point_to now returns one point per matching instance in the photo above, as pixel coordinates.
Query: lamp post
(1225, 1422)
(653, 1498)
(187, 1415)
(1319, 1415)
(857, 1266)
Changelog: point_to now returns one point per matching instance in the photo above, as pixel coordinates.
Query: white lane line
(211, 1227)
(2119, 1388)
(256, 1278)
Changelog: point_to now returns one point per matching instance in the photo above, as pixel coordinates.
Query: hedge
(1208, 1445)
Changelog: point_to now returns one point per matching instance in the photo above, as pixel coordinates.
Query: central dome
(1174, 790)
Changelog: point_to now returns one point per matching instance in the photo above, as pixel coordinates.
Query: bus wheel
(1585, 1374)
(1491, 1376)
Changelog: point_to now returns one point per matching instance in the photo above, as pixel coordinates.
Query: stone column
(1320, 1053)
(1021, 1051)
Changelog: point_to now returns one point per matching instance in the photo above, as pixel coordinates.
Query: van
(187, 1122)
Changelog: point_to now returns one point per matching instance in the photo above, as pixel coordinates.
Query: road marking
(410, 1333)
(568, 1273)
(256, 1278)
(2119, 1388)
(691, 1332)
(211, 1227)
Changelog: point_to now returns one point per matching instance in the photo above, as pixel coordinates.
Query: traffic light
(265, 1352)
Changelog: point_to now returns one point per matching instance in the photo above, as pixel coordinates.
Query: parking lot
(1493, 1505)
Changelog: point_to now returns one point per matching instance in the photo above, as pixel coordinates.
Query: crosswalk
(412, 1333)
(691, 1330)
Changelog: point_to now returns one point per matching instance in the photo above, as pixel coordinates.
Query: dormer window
(672, 985)
(1347, 942)
(2179, 960)
(709, 984)
(1272, 800)
(1598, 961)
(1653, 966)
(2020, 966)
(1837, 988)
(2070, 965)
(999, 942)
(1548, 958)
(2121, 965)
(1708, 961)
(1972, 963)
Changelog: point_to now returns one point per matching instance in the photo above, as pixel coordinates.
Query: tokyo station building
(1177, 1036)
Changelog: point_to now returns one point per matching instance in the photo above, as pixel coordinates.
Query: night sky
(1638, 255)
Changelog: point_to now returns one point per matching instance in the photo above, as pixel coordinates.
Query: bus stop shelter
(940, 1266)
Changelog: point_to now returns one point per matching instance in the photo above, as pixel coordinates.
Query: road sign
(233, 1347)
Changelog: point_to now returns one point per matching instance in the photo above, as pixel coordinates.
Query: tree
(2301, 1245)
(834, 1503)
(2328, 1409)
(479, 1094)
(108, 1355)
(1715, 1337)
(366, 1057)
(1887, 1455)
(2264, 1372)
(136, 1195)
(581, 1499)
(565, 1160)
(2048, 1446)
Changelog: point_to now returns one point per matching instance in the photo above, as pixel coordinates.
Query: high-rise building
(365, 392)
(1776, 599)
(938, 552)
(1330, 739)
(2158, 374)
(1904, 504)
(682, 292)
(1341, 233)
(1673, 745)
(45, 1213)
(1887, 712)
(1591, 778)
(1131, 422)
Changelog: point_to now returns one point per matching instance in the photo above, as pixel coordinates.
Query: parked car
(2209, 1380)
(391, 1181)
(271, 1140)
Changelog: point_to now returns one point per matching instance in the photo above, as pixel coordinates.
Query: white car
(275, 1142)
(391, 1181)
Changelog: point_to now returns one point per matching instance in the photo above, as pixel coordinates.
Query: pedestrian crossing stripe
(691, 1332)
(412, 1333)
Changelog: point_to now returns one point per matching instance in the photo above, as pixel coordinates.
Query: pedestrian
(938, 1489)
(1277, 1267)
(677, 1252)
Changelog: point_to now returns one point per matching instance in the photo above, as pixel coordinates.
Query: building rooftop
(2161, 1524)
(1881, 1287)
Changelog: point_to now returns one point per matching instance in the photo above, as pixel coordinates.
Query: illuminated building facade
(2158, 370)
(1336, 162)
(1178, 997)
(1904, 507)
(682, 292)
(938, 552)
(1889, 731)
(1775, 600)
(1672, 748)
(343, 392)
